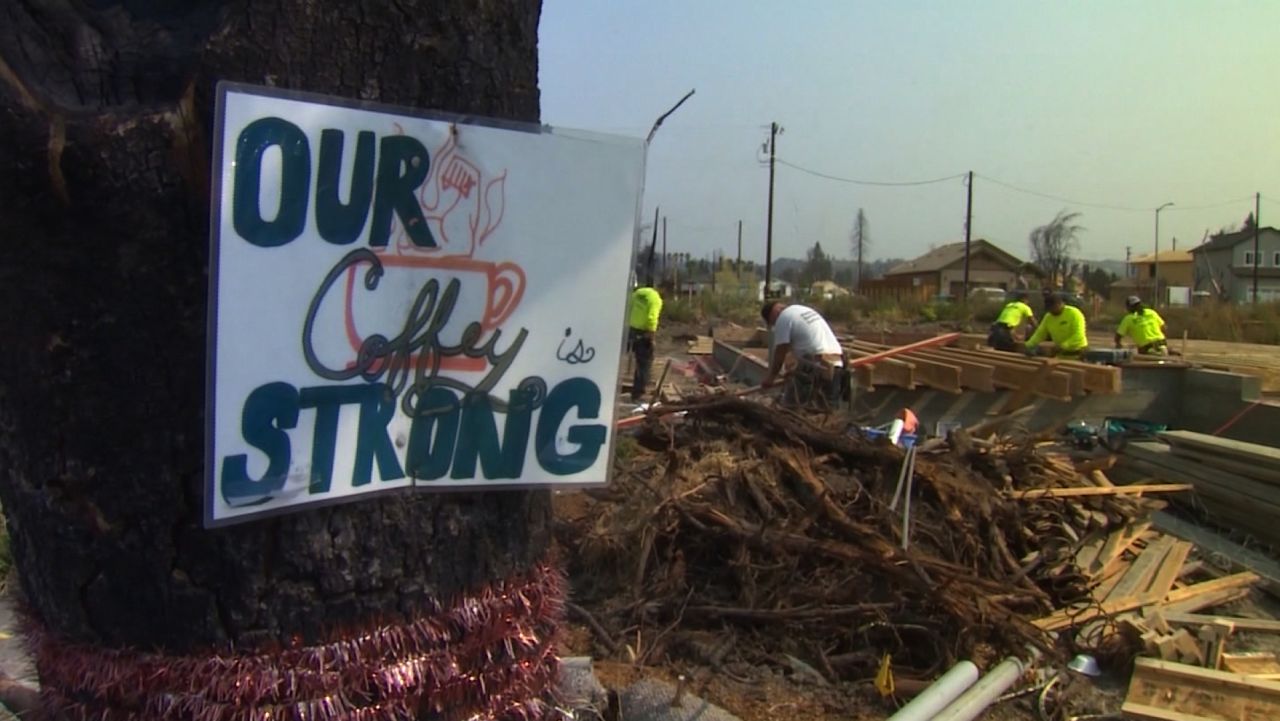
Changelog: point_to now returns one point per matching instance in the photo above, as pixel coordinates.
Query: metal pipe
(982, 694)
(942, 692)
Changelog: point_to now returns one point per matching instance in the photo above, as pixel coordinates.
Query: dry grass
(1229, 322)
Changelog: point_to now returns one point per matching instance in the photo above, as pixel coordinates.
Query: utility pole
(653, 248)
(1257, 223)
(1155, 263)
(768, 237)
(737, 265)
(968, 221)
(1128, 267)
(664, 245)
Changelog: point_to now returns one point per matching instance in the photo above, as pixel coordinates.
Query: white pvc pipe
(895, 430)
(982, 694)
(942, 692)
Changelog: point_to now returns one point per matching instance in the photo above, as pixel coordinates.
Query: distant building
(940, 272)
(826, 290)
(1177, 270)
(1224, 266)
(777, 289)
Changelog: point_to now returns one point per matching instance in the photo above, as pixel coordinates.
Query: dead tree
(105, 130)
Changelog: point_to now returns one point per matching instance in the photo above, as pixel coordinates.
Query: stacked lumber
(1238, 484)
(701, 345)
(955, 369)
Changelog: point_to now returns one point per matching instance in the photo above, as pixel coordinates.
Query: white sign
(400, 301)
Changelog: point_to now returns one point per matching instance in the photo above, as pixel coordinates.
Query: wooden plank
(1075, 492)
(1137, 579)
(1211, 479)
(1146, 712)
(1203, 676)
(1170, 567)
(1255, 663)
(1235, 581)
(1116, 545)
(1159, 687)
(1257, 625)
(1197, 593)
(1252, 452)
(1102, 379)
(1256, 471)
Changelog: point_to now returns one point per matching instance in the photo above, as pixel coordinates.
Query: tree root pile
(746, 535)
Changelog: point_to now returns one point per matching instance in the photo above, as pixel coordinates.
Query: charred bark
(105, 119)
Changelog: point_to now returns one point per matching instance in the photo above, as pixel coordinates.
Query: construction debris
(745, 536)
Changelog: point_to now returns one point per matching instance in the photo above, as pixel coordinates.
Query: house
(1224, 266)
(826, 290)
(777, 289)
(941, 272)
(1177, 270)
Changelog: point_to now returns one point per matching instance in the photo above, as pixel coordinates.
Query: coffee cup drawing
(462, 208)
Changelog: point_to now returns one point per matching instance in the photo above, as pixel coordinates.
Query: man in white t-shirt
(802, 332)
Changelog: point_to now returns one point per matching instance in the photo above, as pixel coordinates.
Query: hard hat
(1131, 301)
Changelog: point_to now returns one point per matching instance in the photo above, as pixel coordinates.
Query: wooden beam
(1145, 712)
(1137, 580)
(891, 373)
(1016, 368)
(1200, 592)
(1078, 491)
(935, 375)
(1169, 569)
(1158, 687)
(1258, 625)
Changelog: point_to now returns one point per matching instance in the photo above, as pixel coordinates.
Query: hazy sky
(1111, 102)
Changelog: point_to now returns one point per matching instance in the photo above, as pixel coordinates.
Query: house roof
(945, 255)
(1229, 240)
(1166, 256)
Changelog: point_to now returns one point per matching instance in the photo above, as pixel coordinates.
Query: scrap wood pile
(744, 535)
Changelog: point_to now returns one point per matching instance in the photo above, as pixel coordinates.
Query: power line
(1125, 208)
(1223, 204)
(1061, 199)
(853, 181)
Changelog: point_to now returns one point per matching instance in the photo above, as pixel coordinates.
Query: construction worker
(1144, 326)
(1064, 325)
(1012, 317)
(800, 331)
(642, 317)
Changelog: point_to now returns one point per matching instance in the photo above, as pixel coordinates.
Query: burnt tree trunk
(105, 128)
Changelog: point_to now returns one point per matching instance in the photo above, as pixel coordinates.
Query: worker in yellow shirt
(1015, 313)
(642, 317)
(1144, 326)
(1064, 325)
